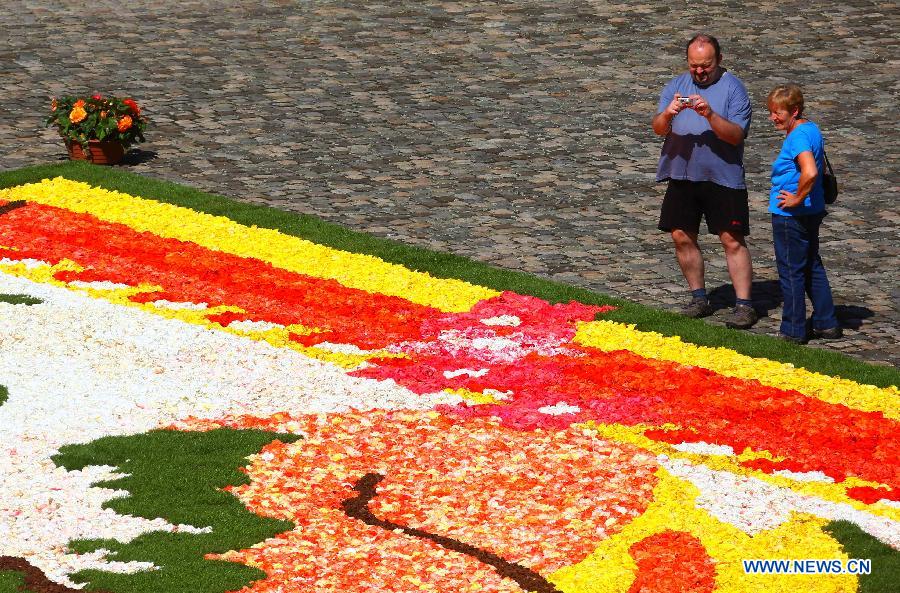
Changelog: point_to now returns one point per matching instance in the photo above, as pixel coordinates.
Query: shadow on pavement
(137, 156)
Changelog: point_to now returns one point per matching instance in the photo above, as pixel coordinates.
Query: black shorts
(686, 202)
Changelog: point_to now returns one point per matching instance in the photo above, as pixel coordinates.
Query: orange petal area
(672, 562)
(540, 500)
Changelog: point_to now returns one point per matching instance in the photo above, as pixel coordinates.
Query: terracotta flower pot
(99, 153)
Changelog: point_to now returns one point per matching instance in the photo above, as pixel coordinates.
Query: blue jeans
(801, 272)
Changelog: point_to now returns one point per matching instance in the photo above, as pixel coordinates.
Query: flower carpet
(383, 429)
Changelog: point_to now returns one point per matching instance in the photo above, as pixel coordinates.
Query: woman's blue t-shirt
(786, 171)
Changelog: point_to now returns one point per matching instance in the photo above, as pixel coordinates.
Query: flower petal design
(456, 437)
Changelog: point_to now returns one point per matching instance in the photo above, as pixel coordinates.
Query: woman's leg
(791, 248)
(817, 286)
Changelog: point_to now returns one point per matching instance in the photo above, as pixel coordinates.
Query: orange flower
(78, 114)
(542, 499)
(53, 105)
(125, 123)
(79, 103)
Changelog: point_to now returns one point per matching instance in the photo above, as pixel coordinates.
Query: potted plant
(97, 128)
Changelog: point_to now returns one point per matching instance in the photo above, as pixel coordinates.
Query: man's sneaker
(832, 333)
(742, 317)
(788, 338)
(698, 307)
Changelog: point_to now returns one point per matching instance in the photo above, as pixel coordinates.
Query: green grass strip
(12, 582)
(19, 299)
(4, 394)
(885, 576)
(445, 265)
(178, 476)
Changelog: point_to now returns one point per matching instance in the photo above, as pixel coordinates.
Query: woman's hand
(788, 200)
(808, 174)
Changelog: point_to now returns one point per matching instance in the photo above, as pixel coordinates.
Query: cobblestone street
(515, 133)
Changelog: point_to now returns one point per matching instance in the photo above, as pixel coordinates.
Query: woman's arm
(808, 173)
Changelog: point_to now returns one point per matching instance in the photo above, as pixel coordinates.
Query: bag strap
(827, 164)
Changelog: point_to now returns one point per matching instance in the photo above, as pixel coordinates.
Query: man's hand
(701, 106)
(788, 200)
(676, 106)
(662, 122)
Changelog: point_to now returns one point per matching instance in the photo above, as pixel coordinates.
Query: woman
(797, 204)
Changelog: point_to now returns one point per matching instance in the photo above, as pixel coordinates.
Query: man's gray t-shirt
(692, 151)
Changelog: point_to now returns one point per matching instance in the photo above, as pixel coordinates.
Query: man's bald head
(703, 39)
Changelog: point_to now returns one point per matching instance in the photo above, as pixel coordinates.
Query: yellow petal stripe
(364, 272)
(611, 569)
(609, 336)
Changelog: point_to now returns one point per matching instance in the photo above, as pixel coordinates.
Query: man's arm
(662, 121)
(725, 130)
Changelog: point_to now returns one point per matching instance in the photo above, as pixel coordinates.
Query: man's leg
(690, 258)
(740, 268)
(737, 256)
(680, 216)
(728, 216)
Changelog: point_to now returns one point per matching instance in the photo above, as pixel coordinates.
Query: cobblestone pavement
(515, 133)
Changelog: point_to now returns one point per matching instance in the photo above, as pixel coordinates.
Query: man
(704, 115)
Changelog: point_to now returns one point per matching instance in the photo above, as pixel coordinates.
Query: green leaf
(13, 582)
(178, 476)
(19, 299)
(858, 544)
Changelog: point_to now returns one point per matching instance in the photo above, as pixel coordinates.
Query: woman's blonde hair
(786, 96)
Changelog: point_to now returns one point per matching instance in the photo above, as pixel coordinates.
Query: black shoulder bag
(829, 182)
